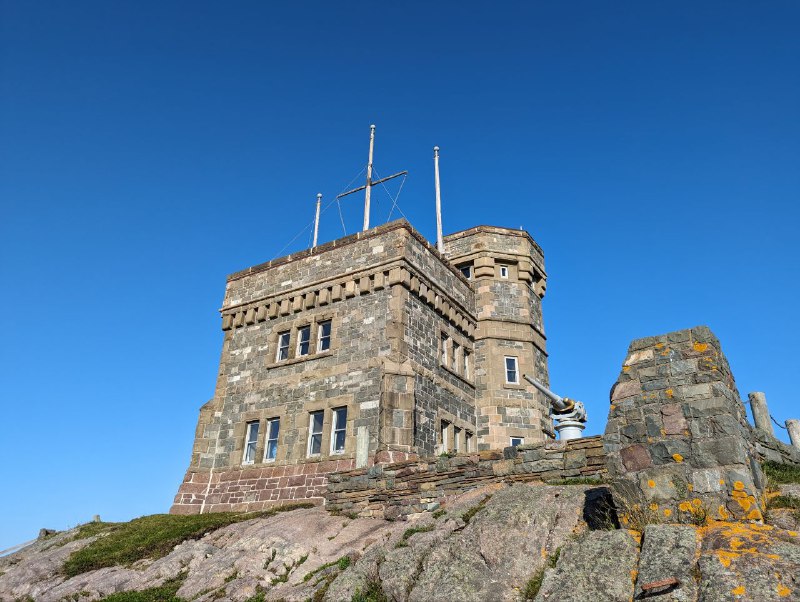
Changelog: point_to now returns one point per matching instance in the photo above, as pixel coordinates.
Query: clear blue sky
(149, 149)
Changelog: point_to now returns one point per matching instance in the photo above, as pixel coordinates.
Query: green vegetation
(258, 596)
(412, 531)
(534, 584)
(372, 592)
(439, 513)
(781, 473)
(785, 501)
(577, 481)
(162, 593)
(152, 537)
(469, 514)
(342, 564)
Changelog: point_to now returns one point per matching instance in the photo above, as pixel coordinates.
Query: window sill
(515, 386)
(460, 377)
(297, 360)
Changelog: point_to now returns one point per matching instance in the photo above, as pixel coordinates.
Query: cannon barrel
(560, 404)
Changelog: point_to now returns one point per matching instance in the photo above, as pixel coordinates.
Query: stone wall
(771, 449)
(677, 437)
(405, 488)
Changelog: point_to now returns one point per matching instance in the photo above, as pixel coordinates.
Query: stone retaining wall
(771, 449)
(404, 488)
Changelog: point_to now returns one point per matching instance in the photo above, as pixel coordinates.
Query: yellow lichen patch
(689, 486)
(659, 345)
(667, 512)
(637, 535)
(696, 502)
(762, 527)
(722, 481)
(739, 591)
(625, 520)
(634, 575)
(654, 507)
(755, 514)
(625, 368)
(783, 591)
(726, 557)
(738, 486)
(736, 543)
(544, 553)
(793, 533)
(723, 512)
(685, 507)
(670, 393)
(700, 347)
(677, 457)
(651, 483)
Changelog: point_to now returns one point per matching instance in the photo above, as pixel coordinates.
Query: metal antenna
(369, 177)
(439, 241)
(368, 186)
(316, 219)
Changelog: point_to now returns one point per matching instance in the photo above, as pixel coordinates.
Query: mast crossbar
(372, 183)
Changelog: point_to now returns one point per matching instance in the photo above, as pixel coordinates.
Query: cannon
(570, 415)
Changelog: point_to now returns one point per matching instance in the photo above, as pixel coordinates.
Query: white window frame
(456, 439)
(515, 370)
(323, 337)
(445, 427)
(250, 442)
(312, 433)
(300, 341)
(445, 342)
(468, 441)
(338, 428)
(284, 339)
(504, 271)
(270, 438)
(466, 363)
(454, 359)
(520, 439)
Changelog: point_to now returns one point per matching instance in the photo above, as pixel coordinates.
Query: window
(339, 430)
(303, 341)
(283, 347)
(445, 436)
(250, 441)
(466, 364)
(517, 441)
(512, 374)
(468, 441)
(315, 433)
(445, 343)
(454, 360)
(457, 439)
(466, 270)
(324, 336)
(503, 271)
(273, 428)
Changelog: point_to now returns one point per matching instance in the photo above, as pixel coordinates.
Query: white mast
(369, 177)
(316, 220)
(439, 241)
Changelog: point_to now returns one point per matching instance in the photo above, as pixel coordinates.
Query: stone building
(372, 348)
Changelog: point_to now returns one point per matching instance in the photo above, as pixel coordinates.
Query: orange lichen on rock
(685, 507)
(670, 393)
(783, 591)
(677, 457)
(700, 347)
(651, 483)
(723, 512)
(667, 512)
(739, 590)
(654, 507)
(738, 486)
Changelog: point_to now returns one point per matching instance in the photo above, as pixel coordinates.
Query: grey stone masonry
(365, 350)
(677, 438)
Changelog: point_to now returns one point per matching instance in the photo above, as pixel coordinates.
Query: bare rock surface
(486, 545)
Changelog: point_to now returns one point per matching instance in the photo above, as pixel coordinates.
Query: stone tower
(507, 271)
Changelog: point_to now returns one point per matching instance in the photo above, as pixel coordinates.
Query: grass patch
(439, 513)
(372, 592)
(257, 597)
(154, 537)
(781, 473)
(577, 481)
(534, 584)
(342, 564)
(403, 543)
(785, 501)
(469, 514)
(163, 593)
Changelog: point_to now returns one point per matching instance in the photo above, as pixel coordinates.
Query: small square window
(339, 430)
(324, 336)
(503, 271)
(512, 373)
(273, 428)
(303, 341)
(517, 441)
(315, 433)
(250, 442)
(283, 347)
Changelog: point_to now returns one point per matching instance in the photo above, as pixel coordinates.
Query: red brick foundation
(247, 489)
